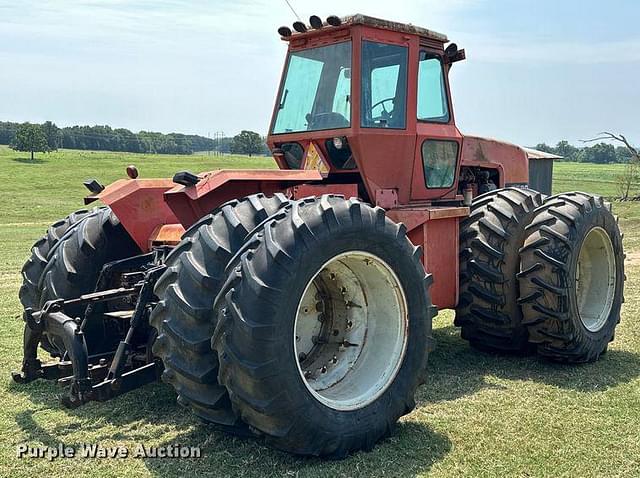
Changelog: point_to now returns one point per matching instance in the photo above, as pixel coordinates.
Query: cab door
(438, 141)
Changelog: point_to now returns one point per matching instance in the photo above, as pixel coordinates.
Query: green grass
(51, 186)
(478, 415)
(595, 178)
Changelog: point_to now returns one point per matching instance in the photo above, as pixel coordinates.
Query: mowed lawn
(600, 178)
(478, 415)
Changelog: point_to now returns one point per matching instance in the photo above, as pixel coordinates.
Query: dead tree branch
(620, 138)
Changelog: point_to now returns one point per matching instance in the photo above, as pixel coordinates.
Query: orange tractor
(296, 304)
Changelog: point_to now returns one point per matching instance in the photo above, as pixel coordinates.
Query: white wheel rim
(595, 279)
(351, 330)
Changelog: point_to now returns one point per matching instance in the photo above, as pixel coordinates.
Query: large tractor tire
(75, 265)
(572, 278)
(32, 270)
(324, 327)
(34, 267)
(490, 240)
(185, 318)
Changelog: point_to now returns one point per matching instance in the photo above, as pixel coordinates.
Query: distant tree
(623, 154)
(53, 135)
(631, 175)
(601, 153)
(7, 132)
(265, 147)
(566, 150)
(247, 142)
(31, 138)
(106, 138)
(545, 148)
(223, 145)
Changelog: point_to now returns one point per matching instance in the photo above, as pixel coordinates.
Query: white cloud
(202, 65)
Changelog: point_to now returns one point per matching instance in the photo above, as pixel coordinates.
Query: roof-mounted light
(452, 54)
(284, 32)
(334, 21)
(315, 21)
(299, 27)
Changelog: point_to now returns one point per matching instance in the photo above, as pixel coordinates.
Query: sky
(536, 71)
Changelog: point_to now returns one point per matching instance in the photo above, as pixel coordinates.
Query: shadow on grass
(155, 404)
(29, 160)
(456, 370)
(412, 449)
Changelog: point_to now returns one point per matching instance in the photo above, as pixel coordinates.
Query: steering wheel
(386, 114)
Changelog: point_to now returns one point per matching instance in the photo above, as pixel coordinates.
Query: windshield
(317, 90)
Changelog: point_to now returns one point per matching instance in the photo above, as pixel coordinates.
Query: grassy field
(478, 415)
(600, 178)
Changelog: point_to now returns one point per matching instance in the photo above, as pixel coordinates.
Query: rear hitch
(102, 376)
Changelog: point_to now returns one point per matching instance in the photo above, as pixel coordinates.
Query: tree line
(106, 138)
(600, 153)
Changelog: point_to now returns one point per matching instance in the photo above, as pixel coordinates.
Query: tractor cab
(367, 100)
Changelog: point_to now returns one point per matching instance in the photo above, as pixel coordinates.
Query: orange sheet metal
(436, 229)
(140, 206)
(166, 235)
(190, 203)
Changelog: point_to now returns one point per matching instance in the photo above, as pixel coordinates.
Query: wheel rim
(595, 279)
(351, 330)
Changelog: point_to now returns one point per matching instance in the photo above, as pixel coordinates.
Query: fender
(145, 206)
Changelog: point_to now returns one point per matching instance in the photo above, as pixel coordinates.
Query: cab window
(439, 163)
(433, 105)
(316, 89)
(341, 100)
(384, 86)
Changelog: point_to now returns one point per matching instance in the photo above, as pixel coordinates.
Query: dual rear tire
(541, 275)
(490, 240)
(66, 263)
(185, 317)
(572, 278)
(315, 334)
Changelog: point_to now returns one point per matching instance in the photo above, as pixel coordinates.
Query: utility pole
(218, 139)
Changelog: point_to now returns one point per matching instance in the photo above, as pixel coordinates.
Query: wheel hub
(351, 330)
(595, 279)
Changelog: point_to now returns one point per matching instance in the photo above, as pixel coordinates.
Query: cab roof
(360, 19)
(365, 20)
